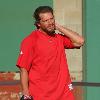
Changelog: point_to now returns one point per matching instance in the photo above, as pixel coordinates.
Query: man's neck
(47, 33)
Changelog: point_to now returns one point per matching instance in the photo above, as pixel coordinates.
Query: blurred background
(82, 16)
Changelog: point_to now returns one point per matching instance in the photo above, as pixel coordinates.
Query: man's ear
(37, 25)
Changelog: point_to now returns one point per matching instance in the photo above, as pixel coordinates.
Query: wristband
(26, 97)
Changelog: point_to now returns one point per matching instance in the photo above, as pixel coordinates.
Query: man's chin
(51, 32)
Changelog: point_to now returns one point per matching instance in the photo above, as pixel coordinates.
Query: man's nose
(50, 21)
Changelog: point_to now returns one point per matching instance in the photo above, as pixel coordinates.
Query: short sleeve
(25, 57)
(68, 44)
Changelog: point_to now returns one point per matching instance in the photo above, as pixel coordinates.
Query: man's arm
(75, 37)
(24, 81)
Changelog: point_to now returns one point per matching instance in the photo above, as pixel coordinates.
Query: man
(42, 60)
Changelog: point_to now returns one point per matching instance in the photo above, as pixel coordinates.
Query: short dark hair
(41, 9)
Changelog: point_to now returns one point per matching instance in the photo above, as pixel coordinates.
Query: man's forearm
(75, 37)
(24, 81)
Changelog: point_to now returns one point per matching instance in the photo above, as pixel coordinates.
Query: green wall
(92, 35)
(15, 23)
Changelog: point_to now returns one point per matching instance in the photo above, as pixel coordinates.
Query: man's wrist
(25, 92)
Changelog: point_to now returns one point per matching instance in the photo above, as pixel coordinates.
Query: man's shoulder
(33, 34)
(30, 38)
(59, 35)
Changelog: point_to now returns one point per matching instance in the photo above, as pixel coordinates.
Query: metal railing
(17, 82)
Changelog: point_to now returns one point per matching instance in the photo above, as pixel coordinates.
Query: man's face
(47, 22)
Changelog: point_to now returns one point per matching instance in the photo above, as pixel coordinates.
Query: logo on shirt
(21, 52)
(70, 86)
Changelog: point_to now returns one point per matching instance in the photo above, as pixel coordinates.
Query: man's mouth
(51, 27)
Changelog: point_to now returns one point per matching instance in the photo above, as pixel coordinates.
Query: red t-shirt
(44, 58)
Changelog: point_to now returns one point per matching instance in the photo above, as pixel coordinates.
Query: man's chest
(46, 46)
